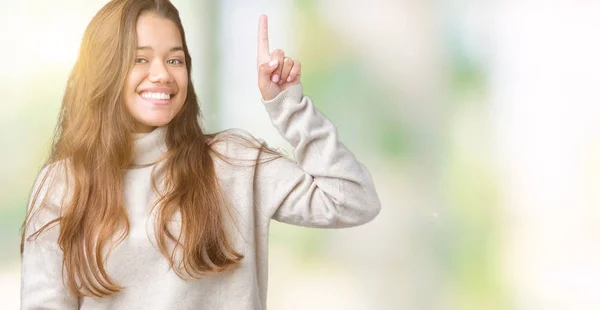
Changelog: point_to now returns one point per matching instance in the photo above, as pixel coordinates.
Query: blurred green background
(478, 120)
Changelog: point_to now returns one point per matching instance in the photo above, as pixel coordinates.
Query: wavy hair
(93, 146)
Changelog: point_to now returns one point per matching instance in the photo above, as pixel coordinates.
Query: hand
(276, 72)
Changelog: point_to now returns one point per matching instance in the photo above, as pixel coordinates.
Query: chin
(156, 122)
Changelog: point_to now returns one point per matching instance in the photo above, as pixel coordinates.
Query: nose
(159, 73)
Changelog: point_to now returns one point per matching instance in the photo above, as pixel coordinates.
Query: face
(157, 85)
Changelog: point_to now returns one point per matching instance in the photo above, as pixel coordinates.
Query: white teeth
(156, 96)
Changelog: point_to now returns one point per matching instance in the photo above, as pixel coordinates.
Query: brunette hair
(93, 145)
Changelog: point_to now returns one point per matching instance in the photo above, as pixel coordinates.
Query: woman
(137, 208)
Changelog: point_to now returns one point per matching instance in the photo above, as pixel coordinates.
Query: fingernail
(275, 78)
(273, 63)
(289, 79)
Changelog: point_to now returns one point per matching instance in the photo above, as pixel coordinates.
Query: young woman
(138, 208)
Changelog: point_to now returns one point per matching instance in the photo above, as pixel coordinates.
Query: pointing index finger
(263, 38)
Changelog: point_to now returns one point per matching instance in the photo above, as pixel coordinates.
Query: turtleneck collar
(148, 147)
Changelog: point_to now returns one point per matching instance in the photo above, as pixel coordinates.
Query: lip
(156, 101)
(157, 90)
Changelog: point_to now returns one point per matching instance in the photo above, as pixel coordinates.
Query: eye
(174, 62)
(140, 60)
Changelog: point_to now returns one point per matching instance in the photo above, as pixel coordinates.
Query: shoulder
(239, 147)
(238, 142)
(52, 182)
(48, 195)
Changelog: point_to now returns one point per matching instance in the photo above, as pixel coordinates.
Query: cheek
(135, 78)
(133, 81)
(182, 83)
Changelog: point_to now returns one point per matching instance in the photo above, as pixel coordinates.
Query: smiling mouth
(156, 96)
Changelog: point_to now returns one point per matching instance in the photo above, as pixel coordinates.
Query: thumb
(265, 70)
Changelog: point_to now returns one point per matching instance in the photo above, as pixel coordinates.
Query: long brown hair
(93, 146)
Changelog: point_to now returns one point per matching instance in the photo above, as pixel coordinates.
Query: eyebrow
(173, 49)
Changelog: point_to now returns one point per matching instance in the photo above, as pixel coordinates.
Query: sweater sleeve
(41, 270)
(326, 186)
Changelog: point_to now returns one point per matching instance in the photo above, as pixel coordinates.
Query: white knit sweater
(325, 187)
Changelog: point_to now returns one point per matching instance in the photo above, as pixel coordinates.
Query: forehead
(157, 32)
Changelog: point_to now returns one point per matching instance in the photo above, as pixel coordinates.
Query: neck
(148, 147)
(141, 128)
